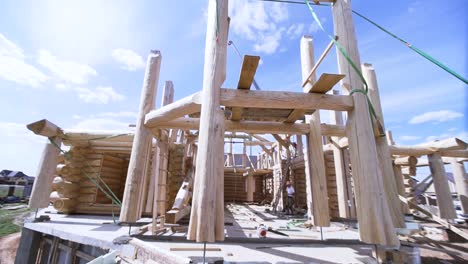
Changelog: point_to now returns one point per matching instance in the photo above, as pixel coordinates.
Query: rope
(420, 52)
(415, 49)
(293, 2)
(365, 88)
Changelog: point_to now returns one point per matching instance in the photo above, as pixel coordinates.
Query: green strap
(420, 52)
(338, 45)
(363, 90)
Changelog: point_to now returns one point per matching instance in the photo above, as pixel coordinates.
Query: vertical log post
(341, 180)
(314, 158)
(374, 220)
(383, 152)
(441, 186)
(159, 164)
(401, 187)
(461, 183)
(45, 175)
(130, 212)
(206, 212)
(299, 146)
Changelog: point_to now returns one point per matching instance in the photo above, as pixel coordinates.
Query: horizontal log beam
(185, 106)
(71, 136)
(45, 128)
(421, 151)
(256, 127)
(285, 100)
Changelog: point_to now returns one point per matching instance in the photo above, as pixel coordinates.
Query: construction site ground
(287, 241)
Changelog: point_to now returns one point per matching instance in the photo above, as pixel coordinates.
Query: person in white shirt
(290, 199)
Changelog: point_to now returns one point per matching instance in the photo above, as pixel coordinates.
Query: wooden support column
(205, 223)
(461, 183)
(374, 219)
(157, 195)
(401, 187)
(278, 178)
(441, 186)
(383, 152)
(314, 159)
(131, 210)
(45, 174)
(299, 145)
(341, 180)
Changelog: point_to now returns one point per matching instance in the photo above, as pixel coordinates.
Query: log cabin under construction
(178, 163)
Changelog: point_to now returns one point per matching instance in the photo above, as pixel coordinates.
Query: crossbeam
(285, 100)
(255, 127)
(185, 106)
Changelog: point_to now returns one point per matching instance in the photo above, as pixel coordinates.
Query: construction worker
(290, 199)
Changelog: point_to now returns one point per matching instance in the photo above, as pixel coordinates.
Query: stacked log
(299, 183)
(175, 174)
(113, 172)
(331, 184)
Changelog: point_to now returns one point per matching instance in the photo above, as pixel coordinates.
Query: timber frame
(139, 163)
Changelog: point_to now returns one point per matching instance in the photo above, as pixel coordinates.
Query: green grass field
(10, 220)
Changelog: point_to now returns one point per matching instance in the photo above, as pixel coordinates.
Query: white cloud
(10, 49)
(131, 60)
(259, 23)
(17, 141)
(463, 135)
(295, 30)
(119, 114)
(409, 138)
(269, 43)
(436, 116)
(101, 95)
(14, 68)
(67, 71)
(101, 124)
(314, 27)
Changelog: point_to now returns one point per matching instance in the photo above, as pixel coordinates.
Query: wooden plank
(248, 70)
(326, 82)
(173, 216)
(444, 223)
(246, 78)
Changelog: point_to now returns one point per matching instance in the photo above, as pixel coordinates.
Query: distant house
(8, 177)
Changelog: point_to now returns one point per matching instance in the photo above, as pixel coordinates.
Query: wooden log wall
(235, 190)
(75, 192)
(300, 183)
(175, 173)
(331, 184)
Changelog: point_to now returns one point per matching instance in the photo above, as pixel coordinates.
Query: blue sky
(80, 64)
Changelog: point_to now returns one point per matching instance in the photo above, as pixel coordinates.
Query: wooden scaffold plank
(246, 78)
